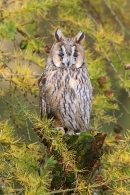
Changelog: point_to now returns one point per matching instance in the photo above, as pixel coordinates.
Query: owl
(65, 86)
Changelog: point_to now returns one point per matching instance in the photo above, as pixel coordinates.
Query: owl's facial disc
(67, 52)
(68, 58)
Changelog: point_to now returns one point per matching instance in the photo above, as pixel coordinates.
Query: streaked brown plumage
(65, 87)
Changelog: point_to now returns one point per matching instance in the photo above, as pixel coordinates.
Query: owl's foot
(77, 133)
(72, 133)
(61, 129)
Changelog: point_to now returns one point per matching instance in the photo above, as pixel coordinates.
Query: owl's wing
(42, 99)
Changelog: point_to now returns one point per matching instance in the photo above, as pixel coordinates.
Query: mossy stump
(88, 150)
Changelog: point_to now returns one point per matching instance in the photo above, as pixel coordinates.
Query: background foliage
(26, 36)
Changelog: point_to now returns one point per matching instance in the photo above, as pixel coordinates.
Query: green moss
(57, 176)
(81, 144)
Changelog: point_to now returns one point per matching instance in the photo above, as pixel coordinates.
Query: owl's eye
(75, 54)
(61, 53)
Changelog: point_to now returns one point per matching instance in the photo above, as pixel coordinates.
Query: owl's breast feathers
(66, 95)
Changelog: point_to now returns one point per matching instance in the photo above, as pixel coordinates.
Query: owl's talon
(77, 133)
(61, 129)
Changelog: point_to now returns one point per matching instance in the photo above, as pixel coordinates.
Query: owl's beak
(68, 60)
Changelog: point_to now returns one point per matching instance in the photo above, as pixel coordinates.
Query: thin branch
(122, 179)
(24, 111)
(116, 18)
(119, 154)
(23, 33)
(24, 24)
(116, 118)
(114, 68)
(61, 191)
(112, 65)
(123, 107)
(20, 75)
(117, 53)
(7, 4)
(28, 132)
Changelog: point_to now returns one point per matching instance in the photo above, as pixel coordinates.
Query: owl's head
(67, 52)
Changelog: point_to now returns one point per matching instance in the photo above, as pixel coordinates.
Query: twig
(116, 18)
(116, 159)
(76, 186)
(117, 53)
(23, 33)
(123, 107)
(19, 75)
(24, 112)
(112, 65)
(122, 179)
(28, 132)
(61, 191)
(24, 24)
(22, 75)
(7, 4)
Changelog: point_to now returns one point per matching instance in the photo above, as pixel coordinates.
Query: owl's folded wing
(42, 101)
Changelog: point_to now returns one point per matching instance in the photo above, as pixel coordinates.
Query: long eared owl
(65, 87)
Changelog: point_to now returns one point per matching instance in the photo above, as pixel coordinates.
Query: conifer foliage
(33, 155)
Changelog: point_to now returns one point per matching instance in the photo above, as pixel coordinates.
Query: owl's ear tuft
(58, 35)
(79, 37)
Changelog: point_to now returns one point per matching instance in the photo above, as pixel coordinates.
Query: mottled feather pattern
(66, 91)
